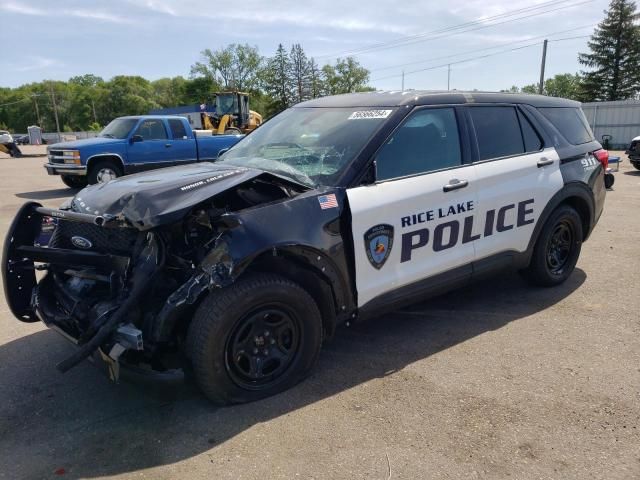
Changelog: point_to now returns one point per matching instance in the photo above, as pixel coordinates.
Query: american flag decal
(328, 201)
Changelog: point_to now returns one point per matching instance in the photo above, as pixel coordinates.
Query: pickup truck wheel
(636, 165)
(557, 249)
(253, 339)
(74, 181)
(104, 171)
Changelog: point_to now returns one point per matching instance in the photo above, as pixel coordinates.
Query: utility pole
(448, 77)
(542, 65)
(35, 99)
(402, 81)
(93, 106)
(55, 110)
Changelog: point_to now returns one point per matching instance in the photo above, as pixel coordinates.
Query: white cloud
(35, 63)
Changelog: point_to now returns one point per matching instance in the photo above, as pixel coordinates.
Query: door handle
(455, 184)
(544, 161)
(167, 145)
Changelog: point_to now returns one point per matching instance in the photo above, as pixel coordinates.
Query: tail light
(603, 157)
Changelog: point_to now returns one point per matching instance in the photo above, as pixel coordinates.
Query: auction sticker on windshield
(369, 114)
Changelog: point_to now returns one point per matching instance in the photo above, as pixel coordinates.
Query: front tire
(253, 339)
(636, 165)
(104, 171)
(74, 181)
(557, 249)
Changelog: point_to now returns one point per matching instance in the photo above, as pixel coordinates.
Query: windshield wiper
(108, 135)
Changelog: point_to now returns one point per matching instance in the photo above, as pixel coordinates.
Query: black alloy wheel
(559, 247)
(254, 338)
(262, 346)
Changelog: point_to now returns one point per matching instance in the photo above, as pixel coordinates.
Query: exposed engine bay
(124, 286)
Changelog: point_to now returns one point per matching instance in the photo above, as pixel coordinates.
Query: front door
(415, 221)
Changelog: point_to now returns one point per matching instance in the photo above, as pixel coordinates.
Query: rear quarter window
(570, 122)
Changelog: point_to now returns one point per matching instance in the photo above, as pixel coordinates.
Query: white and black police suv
(336, 209)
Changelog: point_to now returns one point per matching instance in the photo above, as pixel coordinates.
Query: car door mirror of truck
(136, 138)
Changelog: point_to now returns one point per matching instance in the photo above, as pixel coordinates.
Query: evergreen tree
(299, 74)
(316, 80)
(277, 80)
(614, 57)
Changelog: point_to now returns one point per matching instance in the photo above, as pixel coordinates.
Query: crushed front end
(115, 291)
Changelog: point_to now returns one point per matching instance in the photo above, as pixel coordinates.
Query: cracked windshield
(311, 146)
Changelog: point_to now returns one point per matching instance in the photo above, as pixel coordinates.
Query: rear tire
(74, 181)
(253, 339)
(557, 249)
(636, 165)
(103, 171)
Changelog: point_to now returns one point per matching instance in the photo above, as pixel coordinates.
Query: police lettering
(429, 215)
(448, 234)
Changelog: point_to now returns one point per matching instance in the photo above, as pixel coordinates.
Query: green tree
(277, 81)
(614, 56)
(235, 67)
(300, 75)
(346, 76)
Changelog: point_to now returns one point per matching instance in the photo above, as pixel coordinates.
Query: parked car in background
(133, 144)
(22, 139)
(8, 144)
(634, 152)
(5, 137)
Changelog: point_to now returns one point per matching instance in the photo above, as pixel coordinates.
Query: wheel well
(298, 271)
(105, 158)
(582, 207)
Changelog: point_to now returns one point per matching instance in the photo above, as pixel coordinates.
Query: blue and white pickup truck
(133, 144)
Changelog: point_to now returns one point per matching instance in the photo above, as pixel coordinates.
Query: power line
(462, 28)
(432, 59)
(435, 67)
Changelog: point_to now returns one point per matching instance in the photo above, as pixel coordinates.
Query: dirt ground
(500, 380)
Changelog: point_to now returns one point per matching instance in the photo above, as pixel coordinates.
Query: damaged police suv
(336, 209)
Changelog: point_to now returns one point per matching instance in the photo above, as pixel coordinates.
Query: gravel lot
(497, 381)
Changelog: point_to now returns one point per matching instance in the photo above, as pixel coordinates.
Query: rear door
(410, 224)
(516, 176)
(183, 145)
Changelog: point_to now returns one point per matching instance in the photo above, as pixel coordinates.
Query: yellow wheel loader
(232, 115)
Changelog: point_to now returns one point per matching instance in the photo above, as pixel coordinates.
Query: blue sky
(162, 38)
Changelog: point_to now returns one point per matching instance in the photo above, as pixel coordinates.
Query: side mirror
(222, 152)
(370, 176)
(136, 138)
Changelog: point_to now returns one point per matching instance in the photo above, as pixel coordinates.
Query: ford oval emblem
(81, 242)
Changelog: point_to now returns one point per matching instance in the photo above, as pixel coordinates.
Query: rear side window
(497, 131)
(177, 129)
(152, 130)
(570, 122)
(532, 141)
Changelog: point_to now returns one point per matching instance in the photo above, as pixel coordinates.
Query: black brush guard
(20, 254)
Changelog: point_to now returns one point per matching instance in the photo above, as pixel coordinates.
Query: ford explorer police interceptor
(337, 209)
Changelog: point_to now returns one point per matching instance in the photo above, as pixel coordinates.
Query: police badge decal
(378, 241)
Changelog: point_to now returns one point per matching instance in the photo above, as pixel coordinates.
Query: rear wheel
(74, 181)
(557, 249)
(253, 339)
(636, 165)
(104, 171)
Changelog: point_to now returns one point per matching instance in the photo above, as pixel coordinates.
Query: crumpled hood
(160, 196)
(86, 142)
